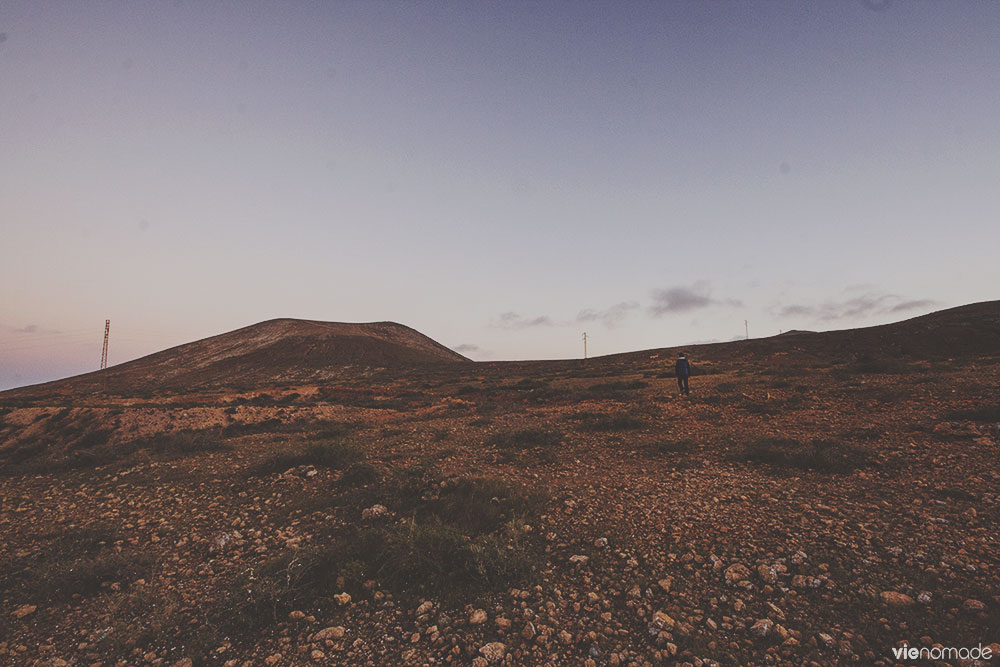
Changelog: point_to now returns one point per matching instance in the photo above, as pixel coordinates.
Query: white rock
(494, 651)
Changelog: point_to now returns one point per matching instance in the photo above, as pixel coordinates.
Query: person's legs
(680, 383)
(686, 390)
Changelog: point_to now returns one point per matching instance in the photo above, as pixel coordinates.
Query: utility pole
(585, 345)
(746, 327)
(104, 352)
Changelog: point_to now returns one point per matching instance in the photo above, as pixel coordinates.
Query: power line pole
(104, 352)
(584, 344)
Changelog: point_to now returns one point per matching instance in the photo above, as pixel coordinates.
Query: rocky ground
(811, 513)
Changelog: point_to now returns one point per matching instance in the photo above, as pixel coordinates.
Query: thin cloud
(511, 320)
(684, 299)
(797, 310)
(611, 317)
(873, 303)
(913, 305)
(28, 329)
(473, 351)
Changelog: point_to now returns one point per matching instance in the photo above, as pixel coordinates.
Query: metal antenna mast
(584, 344)
(104, 352)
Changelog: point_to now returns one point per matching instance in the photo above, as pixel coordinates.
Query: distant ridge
(275, 351)
(961, 332)
(289, 351)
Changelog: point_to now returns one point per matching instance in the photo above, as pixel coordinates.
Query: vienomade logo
(942, 653)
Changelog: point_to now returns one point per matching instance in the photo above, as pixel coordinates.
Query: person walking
(683, 370)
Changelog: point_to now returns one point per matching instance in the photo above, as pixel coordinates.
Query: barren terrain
(818, 499)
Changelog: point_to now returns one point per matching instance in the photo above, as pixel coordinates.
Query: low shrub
(983, 413)
(144, 617)
(867, 365)
(436, 557)
(461, 537)
(480, 505)
(23, 451)
(92, 439)
(820, 455)
(77, 561)
(759, 407)
(718, 399)
(611, 423)
(181, 443)
(262, 594)
(614, 390)
(681, 446)
(529, 384)
(359, 474)
(863, 433)
(237, 429)
(836, 457)
(526, 438)
(79, 540)
(86, 576)
(330, 454)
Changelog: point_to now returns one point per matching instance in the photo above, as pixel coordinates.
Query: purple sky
(500, 176)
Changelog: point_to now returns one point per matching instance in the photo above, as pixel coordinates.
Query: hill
(271, 352)
(965, 331)
(816, 500)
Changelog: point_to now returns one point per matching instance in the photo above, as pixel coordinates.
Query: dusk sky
(500, 176)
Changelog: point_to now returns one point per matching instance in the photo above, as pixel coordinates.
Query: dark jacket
(682, 367)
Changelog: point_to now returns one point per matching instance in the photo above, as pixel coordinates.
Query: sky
(501, 176)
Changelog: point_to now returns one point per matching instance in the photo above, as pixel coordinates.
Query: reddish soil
(818, 499)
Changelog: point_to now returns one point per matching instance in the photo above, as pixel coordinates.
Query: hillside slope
(275, 351)
(802, 506)
(972, 330)
(287, 351)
